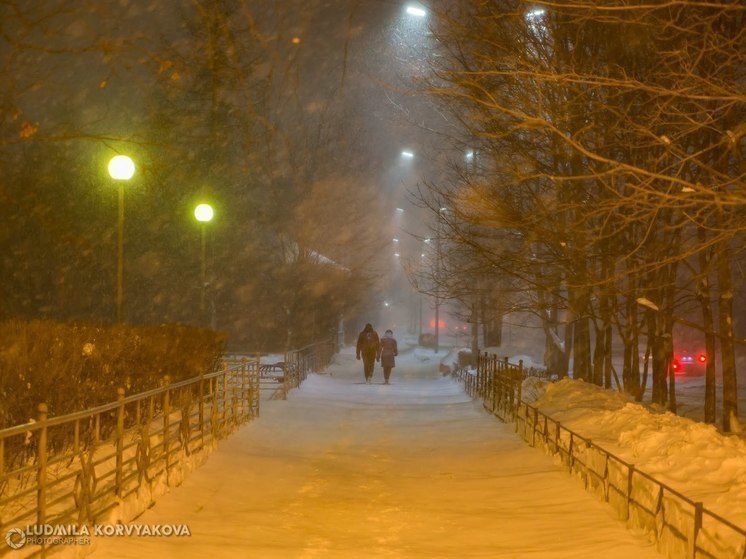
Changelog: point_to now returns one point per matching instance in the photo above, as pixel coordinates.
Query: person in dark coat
(367, 346)
(388, 350)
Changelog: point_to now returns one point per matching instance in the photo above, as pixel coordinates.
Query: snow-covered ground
(691, 457)
(413, 469)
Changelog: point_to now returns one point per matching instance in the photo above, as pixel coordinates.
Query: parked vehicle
(689, 363)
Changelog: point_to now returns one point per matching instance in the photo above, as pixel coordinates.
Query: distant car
(689, 363)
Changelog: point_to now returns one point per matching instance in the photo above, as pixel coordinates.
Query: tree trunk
(660, 369)
(727, 347)
(708, 324)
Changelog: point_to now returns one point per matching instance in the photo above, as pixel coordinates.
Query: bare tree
(609, 133)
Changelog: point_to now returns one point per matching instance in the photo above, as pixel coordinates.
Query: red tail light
(702, 358)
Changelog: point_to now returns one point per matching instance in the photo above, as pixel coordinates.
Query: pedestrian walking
(388, 350)
(368, 344)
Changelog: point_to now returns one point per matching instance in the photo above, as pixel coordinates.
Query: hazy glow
(415, 11)
(121, 168)
(407, 154)
(536, 13)
(396, 240)
(400, 210)
(469, 155)
(204, 212)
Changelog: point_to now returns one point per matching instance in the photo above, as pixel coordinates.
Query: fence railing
(74, 469)
(682, 527)
(276, 379)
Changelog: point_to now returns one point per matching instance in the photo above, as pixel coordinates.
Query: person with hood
(386, 353)
(367, 346)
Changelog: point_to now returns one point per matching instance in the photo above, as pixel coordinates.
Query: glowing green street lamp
(204, 214)
(121, 169)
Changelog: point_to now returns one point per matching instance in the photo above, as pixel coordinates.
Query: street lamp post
(437, 292)
(121, 168)
(439, 231)
(204, 214)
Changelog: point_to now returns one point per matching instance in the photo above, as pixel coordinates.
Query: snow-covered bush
(71, 367)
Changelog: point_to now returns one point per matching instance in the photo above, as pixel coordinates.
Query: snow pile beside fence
(692, 458)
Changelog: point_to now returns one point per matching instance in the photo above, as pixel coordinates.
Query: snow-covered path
(413, 469)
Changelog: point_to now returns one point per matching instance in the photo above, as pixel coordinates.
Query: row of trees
(606, 192)
(208, 99)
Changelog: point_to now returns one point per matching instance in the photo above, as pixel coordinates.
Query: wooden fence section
(75, 469)
(682, 527)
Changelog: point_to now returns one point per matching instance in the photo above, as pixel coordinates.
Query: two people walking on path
(372, 348)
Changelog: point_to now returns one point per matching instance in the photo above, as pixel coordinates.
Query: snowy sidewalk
(345, 469)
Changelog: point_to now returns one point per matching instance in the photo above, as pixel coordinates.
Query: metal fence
(682, 527)
(278, 378)
(75, 469)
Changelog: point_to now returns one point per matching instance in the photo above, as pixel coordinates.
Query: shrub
(71, 367)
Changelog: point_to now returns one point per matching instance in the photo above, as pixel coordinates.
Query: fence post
(225, 401)
(201, 409)
(255, 390)
(119, 490)
(494, 391)
(244, 390)
(166, 423)
(692, 552)
(533, 427)
(570, 455)
(214, 407)
(507, 396)
(520, 379)
(630, 473)
(41, 472)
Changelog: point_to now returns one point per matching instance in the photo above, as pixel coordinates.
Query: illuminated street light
(407, 155)
(204, 214)
(121, 168)
(416, 11)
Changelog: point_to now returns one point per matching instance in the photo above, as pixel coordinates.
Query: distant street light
(204, 214)
(416, 11)
(121, 168)
(407, 154)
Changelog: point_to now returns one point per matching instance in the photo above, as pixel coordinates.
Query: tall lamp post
(439, 232)
(204, 214)
(121, 168)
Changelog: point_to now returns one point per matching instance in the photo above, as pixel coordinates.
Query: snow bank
(692, 458)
